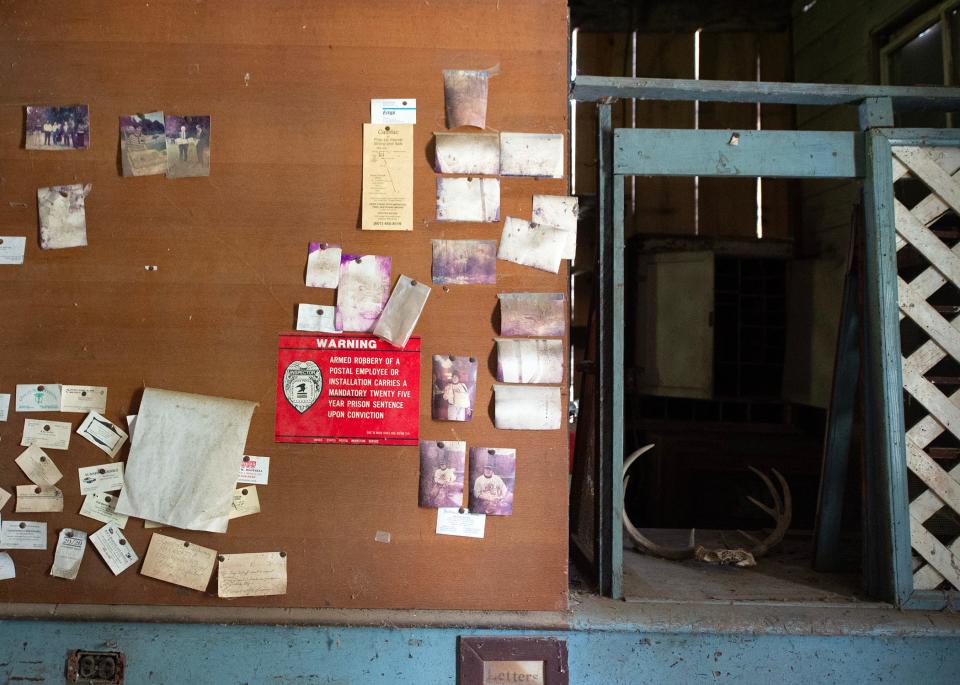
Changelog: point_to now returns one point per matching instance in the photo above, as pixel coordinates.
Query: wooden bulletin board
(288, 85)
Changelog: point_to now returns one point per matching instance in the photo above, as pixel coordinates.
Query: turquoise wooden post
(616, 530)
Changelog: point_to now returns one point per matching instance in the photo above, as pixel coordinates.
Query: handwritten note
(179, 562)
(245, 502)
(252, 575)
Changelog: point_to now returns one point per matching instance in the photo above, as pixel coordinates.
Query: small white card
(245, 502)
(531, 245)
(254, 470)
(23, 535)
(102, 506)
(7, 568)
(70, 548)
(393, 111)
(83, 398)
(12, 248)
(32, 499)
(317, 318)
(323, 265)
(38, 397)
(4, 498)
(561, 212)
(52, 435)
(102, 433)
(112, 545)
(531, 154)
(101, 478)
(4, 405)
(38, 466)
(451, 522)
(131, 422)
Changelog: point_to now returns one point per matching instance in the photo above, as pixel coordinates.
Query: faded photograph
(493, 472)
(442, 466)
(143, 146)
(58, 128)
(188, 145)
(454, 387)
(363, 291)
(63, 217)
(529, 360)
(465, 97)
(532, 314)
(464, 262)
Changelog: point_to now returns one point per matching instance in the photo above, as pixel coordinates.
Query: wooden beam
(593, 88)
(679, 16)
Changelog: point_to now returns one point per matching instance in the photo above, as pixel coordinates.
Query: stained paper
(493, 473)
(529, 360)
(363, 291)
(532, 314)
(38, 467)
(102, 433)
(465, 97)
(468, 199)
(8, 569)
(387, 177)
(467, 153)
(179, 562)
(538, 246)
(252, 575)
(58, 128)
(188, 145)
(402, 311)
(317, 317)
(454, 387)
(38, 397)
(34, 498)
(69, 553)
(442, 466)
(4, 498)
(63, 218)
(50, 435)
(527, 407)
(114, 548)
(323, 265)
(183, 465)
(531, 154)
(143, 147)
(12, 249)
(464, 262)
(560, 212)
(245, 502)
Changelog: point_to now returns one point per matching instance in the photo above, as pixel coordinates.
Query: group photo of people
(188, 146)
(58, 128)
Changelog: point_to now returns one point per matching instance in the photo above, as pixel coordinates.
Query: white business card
(12, 248)
(38, 397)
(52, 435)
(254, 470)
(114, 548)
(102, 433)
(102, 506)
(83, 398)
(23, 535)
(393, 111)
(101, 478)
(4, 405)
(450, 521)
(69, 553)
(32, 499)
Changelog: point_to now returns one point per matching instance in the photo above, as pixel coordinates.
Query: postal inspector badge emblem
(302, 383)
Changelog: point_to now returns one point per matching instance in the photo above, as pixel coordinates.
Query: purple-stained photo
(188, 145)
(454, 387)
(363, 291)
(464, 262)
(58, 128)
(532, 314)
(493, 474)
(442, 466)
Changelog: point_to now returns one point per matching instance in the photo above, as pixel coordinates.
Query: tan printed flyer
(387, 177)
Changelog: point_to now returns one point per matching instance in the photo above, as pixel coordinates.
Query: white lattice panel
(939, 170)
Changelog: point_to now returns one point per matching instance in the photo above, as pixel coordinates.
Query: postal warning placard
(349, 388)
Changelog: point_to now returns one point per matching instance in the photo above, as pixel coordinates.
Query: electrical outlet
(95, 668)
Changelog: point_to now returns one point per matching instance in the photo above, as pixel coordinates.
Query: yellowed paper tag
(387, 177)
(4, 498)
(179, 562)
(252, 575)
(70, 548)
(33, 498)
(47, 435)
(38, 466)
(245, 502)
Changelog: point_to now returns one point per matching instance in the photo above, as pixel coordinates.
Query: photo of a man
(492, 475)
(441, 473)
(454, 387)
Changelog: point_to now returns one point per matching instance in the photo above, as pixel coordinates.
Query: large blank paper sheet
(182, 467)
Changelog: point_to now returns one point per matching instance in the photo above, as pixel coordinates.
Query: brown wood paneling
(231, 251)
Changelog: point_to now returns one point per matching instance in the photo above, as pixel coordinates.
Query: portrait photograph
(493, 472)
(442, 465)
(464, 262)
(454, 387)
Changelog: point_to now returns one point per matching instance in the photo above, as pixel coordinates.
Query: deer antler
(781, 512)
(639, 539)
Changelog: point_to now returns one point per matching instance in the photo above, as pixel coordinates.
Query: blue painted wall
(34, 652)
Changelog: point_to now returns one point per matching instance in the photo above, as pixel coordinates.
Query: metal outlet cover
(95, 668)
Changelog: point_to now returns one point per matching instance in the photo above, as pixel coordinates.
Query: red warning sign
(348, 388)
